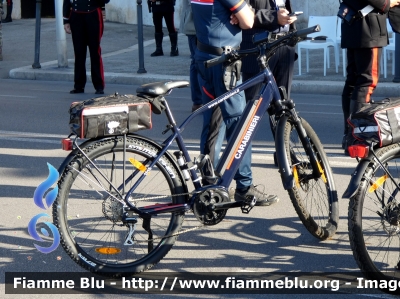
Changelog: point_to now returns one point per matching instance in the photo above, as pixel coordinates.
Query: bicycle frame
(237, 146)
(232, 155)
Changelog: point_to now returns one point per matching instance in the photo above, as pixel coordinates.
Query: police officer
(363, 38)
(164, 9)
(9, 11)
(272, 16)
(84, 19)
(219, 23)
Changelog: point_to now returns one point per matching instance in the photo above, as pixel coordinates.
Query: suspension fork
(285, 167)
(306, 144)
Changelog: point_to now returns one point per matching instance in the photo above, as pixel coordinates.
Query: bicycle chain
(170, 235)
(174, 234)
(160, 196)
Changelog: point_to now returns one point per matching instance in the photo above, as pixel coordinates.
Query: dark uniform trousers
(362, 77)
(169, 21)
(87, 30)
(163, 9)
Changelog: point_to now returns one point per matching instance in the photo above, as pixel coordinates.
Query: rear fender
(356, 177)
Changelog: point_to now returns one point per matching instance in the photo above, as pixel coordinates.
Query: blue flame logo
(50, 197)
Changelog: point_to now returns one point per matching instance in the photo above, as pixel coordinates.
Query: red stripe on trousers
(374, 74)
(101, 30)
(207, 93)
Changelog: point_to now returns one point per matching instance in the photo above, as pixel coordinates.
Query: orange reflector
(137, 164)
(322, 173)
(358, 151)
(66, 144)
(379, 182)
(296, 176)
(108, 250)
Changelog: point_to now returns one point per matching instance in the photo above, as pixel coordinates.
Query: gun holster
(232, 74)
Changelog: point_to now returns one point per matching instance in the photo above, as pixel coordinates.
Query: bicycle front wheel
(314, 199)
(90, 214)
(374, 218)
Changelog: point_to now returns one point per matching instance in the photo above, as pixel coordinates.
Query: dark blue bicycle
(122, 199)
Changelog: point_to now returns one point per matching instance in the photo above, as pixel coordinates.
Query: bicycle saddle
(160, 88)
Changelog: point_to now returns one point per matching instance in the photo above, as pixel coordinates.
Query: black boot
(173, 37)
(158, 37)
(8, 16)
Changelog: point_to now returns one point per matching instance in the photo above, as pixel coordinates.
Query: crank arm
(225, 205)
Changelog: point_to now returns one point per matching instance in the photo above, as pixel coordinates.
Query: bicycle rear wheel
(374, 218)
(89, 213)
(314, 199)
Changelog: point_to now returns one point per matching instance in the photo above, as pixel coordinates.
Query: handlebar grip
(306, 31)
(215, 61)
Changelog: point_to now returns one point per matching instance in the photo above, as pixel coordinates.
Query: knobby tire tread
(320, 232)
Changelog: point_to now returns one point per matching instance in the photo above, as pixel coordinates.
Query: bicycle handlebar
(307, 31)
(229, 54)
(215, 61)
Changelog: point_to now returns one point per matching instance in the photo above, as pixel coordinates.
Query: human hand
(67, 28)
(234, 20)
(394, 3)
(285, 19)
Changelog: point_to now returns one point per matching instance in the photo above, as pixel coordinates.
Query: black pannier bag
(378, 122)
(110, 115)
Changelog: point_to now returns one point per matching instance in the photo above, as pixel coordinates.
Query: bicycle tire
(315, 200)
(88, 216)
(373, 222)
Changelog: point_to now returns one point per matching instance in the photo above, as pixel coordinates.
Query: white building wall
(124, 11)
(16, 12)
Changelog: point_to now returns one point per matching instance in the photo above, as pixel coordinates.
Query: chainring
(204, 200)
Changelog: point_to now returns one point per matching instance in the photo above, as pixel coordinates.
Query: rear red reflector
(66, 144)
(358, 151)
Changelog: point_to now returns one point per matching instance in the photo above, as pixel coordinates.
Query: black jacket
(367, 32)
(162, 6)
(265, 20)
(80, 6)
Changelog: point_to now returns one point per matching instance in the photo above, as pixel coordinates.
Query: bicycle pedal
(248, 204)
(251, 200)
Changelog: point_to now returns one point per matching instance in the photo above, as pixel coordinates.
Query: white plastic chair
(328, 28)
(386, 50)
(338, 43)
